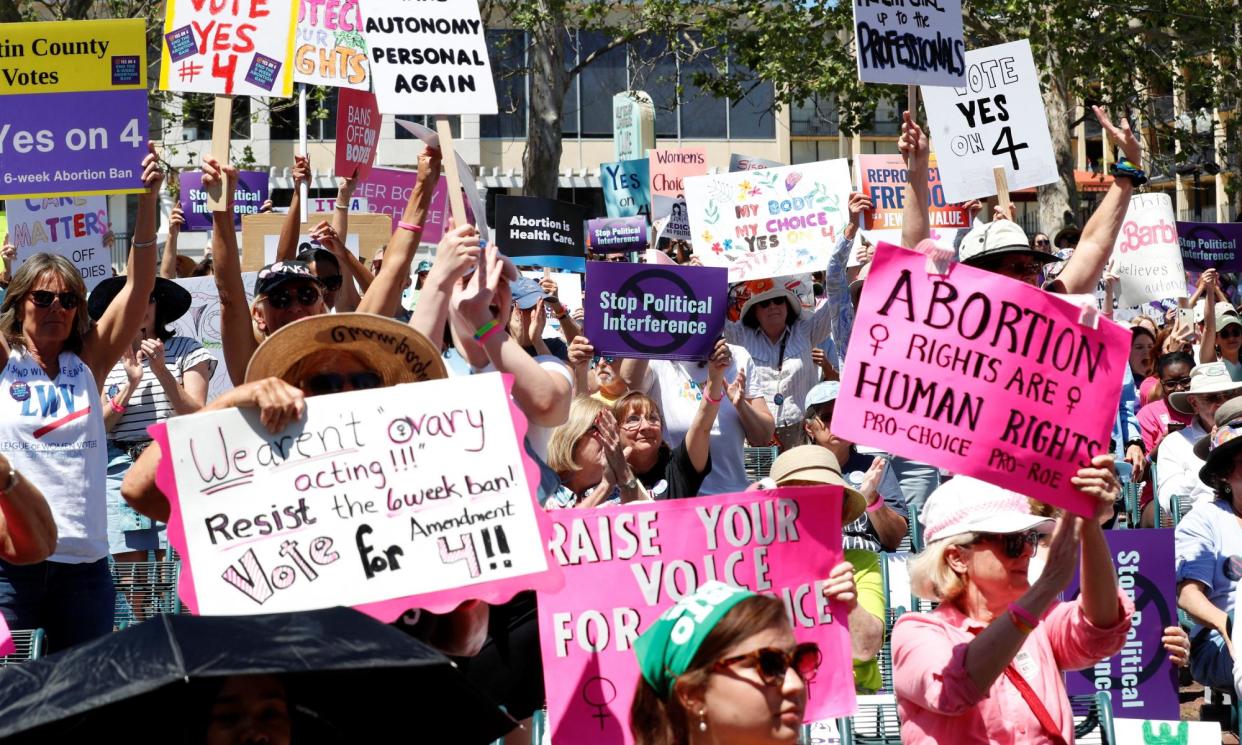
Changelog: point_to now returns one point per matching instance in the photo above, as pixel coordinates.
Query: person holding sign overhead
(58, 360)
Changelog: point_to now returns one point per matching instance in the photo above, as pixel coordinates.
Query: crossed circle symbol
(1146, 595)
(632, 288)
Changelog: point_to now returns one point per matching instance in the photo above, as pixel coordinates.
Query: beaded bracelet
(410, 227)
(485, 329)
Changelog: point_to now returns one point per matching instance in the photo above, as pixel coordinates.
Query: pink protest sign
(360, 503)
(357, 133)
(7, 646)
(980, 374)
(387, 190)
(625, 565)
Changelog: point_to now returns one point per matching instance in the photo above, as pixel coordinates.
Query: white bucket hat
(965, 505)
(1210, 377)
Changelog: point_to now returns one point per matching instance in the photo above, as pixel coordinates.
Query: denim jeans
(72, 603)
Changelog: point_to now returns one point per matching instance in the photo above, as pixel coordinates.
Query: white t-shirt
(538, 436)
(149, 403)
(678, 386)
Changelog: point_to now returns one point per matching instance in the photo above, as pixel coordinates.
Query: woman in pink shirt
(986, 666)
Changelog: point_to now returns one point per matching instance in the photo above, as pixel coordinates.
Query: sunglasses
(44, 298)
(324, 383)
(1025, 269)
(282, 297)
(769, 301)
(1043, 243)
(1213, 399)
(1013, 544)
(1230, 331)
(773, 663)
(331, 284)
(1176, 384)
(609, 358)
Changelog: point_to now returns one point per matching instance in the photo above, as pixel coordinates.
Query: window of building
(507, 52)
(653, 70)
(815, 117)
(598, 83)
(703, 116)
(813, 151)
(320, 115)
(752, 117)
(198, 112)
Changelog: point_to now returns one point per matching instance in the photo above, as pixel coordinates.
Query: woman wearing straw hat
(987, 664)
(1210, 386)
(159, 375)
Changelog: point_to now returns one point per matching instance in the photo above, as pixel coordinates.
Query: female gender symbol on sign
(598, 692)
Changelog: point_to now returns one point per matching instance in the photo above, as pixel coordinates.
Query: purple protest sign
(616, 235)
(251, 193)
(1207, 245)
(659, 312)
(46, 154)
(1142, 681)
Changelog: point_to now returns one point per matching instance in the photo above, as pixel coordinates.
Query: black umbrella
(349, 679)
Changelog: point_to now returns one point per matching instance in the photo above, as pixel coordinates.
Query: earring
(703, 720)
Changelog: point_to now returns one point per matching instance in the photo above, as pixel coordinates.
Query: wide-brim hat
(768, 289)
(964, 505)
(1209, 377)
(171, 299)
(1220, 446)
(817, 464)
(999, 238)
(391, 348)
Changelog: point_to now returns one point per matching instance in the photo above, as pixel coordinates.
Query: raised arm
(1207, 346)
(353, 273)
(384, 294)
(457, 255)
(236, 329)
(120, 322)
(699, 436)
(915, 148)
(168, 262)
(287, 247)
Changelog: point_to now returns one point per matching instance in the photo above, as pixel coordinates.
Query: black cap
(273, 275)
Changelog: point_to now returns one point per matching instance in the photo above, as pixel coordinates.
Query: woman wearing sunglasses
(987, 664)
(722, 667)
(53, 427)
(1209, 387)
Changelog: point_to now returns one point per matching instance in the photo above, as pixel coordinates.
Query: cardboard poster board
(252, 191)
(915, 44)
(1147, 257)
(372, 232)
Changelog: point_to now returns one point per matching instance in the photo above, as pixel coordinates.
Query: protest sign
(1208, 245)
(569, 292)
(248, 198)
(613, 235)
(359, 503)
(387, 191)
(202, 322)
(74, 117)
(327, 204)
(749, 163)
(769, 223)
(534, 231)
(7, 645)
(625, 187)
(330, 49)
(1148, 732)
(240, 48)
(659, 312)
(910, 45)
(982, 375)
(884, 177)
(668, 169)
(633, 125)
(1147, 257)
(474, 201)
(670, 218)
(357, 133)
(72, 227)
(1140, 678)
(625, 565)
(997, 119)
(271, 243)
(429, 58)
(371, 231)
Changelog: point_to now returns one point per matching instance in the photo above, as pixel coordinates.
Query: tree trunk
(541, 161)
(1061, 197)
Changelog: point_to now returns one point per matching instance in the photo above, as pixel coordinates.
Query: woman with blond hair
(587, 454)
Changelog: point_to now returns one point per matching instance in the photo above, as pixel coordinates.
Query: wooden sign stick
(912, 101)
(221, 134)
(1002, 189)
(304, 190)
(449, 159)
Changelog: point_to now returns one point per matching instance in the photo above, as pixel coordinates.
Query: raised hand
(1123, 137)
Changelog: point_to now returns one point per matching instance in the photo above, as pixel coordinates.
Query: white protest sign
(769, 223)
(1147, 257)
(272, 242)
(383, 499)
(325, 205)
(670, 217)
(72, 227)
(1166, 732)
(239, 48)
(997, 119)
(568, 291)
(329, 47)
(429, 58)
(910, 45)
(202, 322)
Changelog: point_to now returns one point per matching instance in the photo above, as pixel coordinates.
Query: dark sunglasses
(773, 663)
(330, 382)
(44, 298)
(282, 297)
(1025, 269)
(1179, 384)
(609, 358)
(332, 283)
(769, 301)
(1013, 544)
(1230, 331)
(1043, 243)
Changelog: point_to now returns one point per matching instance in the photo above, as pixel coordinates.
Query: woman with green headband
(722, 666)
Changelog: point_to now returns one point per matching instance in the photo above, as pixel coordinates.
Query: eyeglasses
(324, 383)
(1043, 242)
(331, 284)
(1024, 269)
(773, 663)
(611, 359)
(1230, 331)
(1176, 384)
(44, 298)
(634, 421)
(1013, 544)
(282, 297)
(1212, 399)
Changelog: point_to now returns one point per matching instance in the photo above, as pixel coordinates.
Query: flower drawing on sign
(792, 179)
(720, 192)
(717, 249)
(767, 180)
(707, 236)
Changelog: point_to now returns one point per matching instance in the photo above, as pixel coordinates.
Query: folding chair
(31, 643)
(759, 461)
(145, 589)
(1093, 713)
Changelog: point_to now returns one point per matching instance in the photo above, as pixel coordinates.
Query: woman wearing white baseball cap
(987, 664)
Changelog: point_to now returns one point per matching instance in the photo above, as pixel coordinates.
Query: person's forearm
(890, 526)
(431, 310)
(181, 402)
(633, 371)
(1207, 346)
(915, 225)
(1099, 578)
(30, 534)
(139, 489)
(760, 428)
(569, 327)
(699, 436)
(541, 346)
(236, 331)
(840, 309)
(1095, 246)
(168, 262)
(287, 246)
(866, 634)
(990, 653)
(384, 294)
(534, 389)
(582, 379)
(1191, 598)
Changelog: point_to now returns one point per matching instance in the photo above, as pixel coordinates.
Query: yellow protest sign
(71, 56)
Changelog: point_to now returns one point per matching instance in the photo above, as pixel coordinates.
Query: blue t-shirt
(1209, 550)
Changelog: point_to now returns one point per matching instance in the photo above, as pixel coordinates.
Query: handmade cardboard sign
(769, 223)
(541, 232)
(74, 113)
(613, 235)
(429, 58)
(748, 163)
(982, 375)
(1147, 256)
(625, 185)
(1140, 678)
(271, 244)
(884, 177)
(330, 49)
(358, 122)
(920, 44)
(996, 119)
(202, 322)
(238, 48)
(625, 565)
(658, 312)
(248, 198)
(372, 232)
(72, 227)
(360, 503)
(1208, 245)
(633, 125)
(668, 169)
